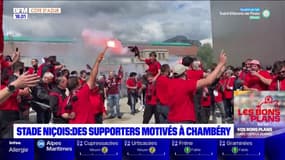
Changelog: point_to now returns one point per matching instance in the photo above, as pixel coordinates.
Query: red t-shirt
(150, 94)
(206, 98)
(255, 82)
(153, 67)
(113, 86)
(218, 96)
(180, 104)
(40, 69)
(139, 84)
(274, 85)
(83, 107)
(82, 81)
(4, 64)
(131, 82)
(11, 104)
(206, 101)
(228, 84)
(62, 105)
(30, 70)
(194, 74)
(162, 83)
(97, 102)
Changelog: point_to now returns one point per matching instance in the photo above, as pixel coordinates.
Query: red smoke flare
(101, 39)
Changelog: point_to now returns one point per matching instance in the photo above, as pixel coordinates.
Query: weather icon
(40, 144)
(234, 150)
(266, 13)
(152, 150)
(104, 150)
(187, 150)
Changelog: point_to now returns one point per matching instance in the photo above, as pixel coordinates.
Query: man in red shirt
(219, 103)
(140, 88)
(113, 96)
(60, 103)
(181, 106)
(246, 67)
(153, 64)
(34, 68)
(150, 107)
(131, 85)
(162, 84)
(228, 89)
(83, 107)
(278, 82)
(9, 107)
(194, 72)
(23, 81)
(257, 79)
(83, 77)
(4, 63)
(97, 102)
(50, 65)
(205, 105)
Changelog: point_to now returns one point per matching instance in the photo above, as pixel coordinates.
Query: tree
(205, 54)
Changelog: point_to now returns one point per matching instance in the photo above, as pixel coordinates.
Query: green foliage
(205, 54)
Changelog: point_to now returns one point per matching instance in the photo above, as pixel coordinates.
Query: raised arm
(137, 54)
(15, 58)
(93, 74)
(140, 58)
(213, 75)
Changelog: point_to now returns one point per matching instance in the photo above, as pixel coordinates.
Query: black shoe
(110, 117)
(120, 115)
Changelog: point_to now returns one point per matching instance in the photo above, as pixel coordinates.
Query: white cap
(179, 69)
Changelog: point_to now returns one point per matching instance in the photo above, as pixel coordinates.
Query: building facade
(75, 55)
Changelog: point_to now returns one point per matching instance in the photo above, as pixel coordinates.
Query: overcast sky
(126, 20)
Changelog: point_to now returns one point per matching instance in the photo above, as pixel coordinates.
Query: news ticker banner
(275, 143)
(123, 131)
(258, 114)
(134, 149)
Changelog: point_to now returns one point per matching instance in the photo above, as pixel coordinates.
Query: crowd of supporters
(184, 93)
(52, 91)
(188, 93)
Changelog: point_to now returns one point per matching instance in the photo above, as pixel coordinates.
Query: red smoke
(100, 39)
